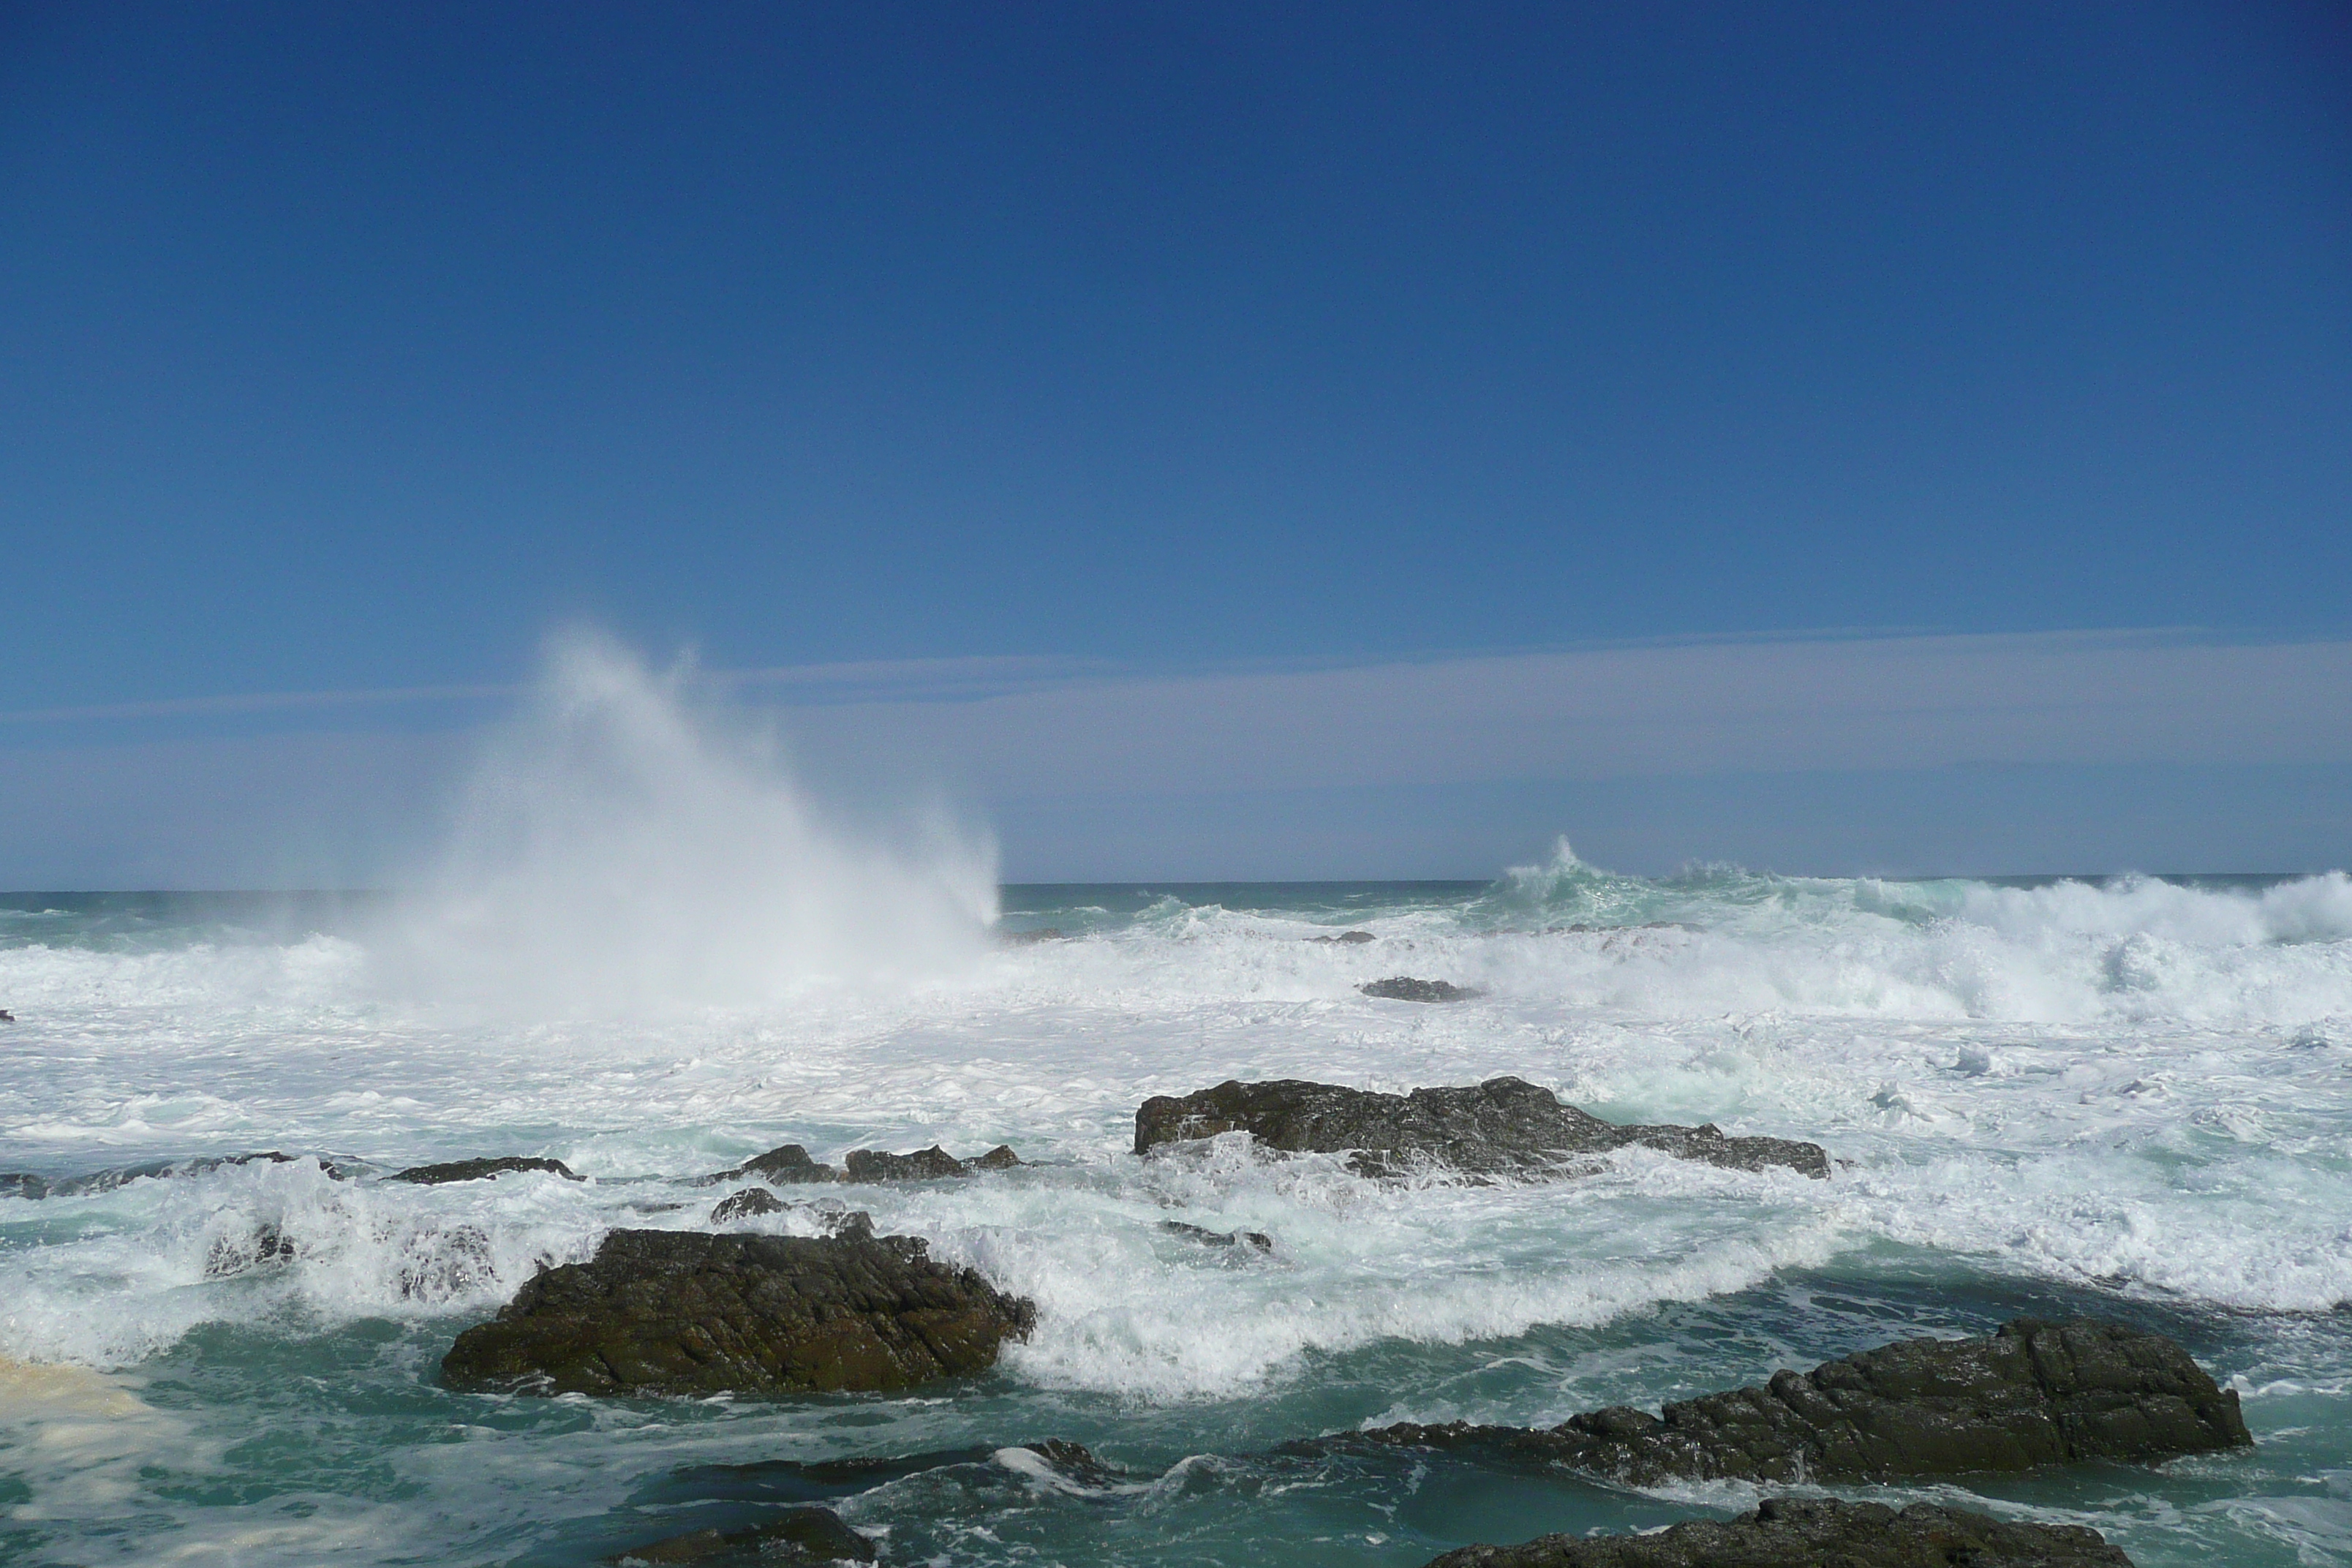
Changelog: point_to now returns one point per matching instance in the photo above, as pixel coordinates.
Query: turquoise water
(2132, 1099)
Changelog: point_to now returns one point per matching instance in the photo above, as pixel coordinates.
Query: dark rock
(238, 1255)
(795, 1535)
(786, 1166)
(671, 1312)
(1208, 1237)
(1027, 938)
(746, 1204)
(480, 1169)
(7, 1017)
(107, 1181)
(1405, 988)
(1817, 1532)
(791, 1165)
(1347, 938)
(1503, 1127)
(23, 1185)
(2034, 1394)
(922, 1165)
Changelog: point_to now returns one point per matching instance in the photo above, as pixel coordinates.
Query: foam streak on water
(2131, 1098)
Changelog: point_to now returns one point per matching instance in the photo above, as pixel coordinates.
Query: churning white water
(650, 954)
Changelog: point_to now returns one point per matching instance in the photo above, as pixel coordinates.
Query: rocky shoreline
(674, 1313)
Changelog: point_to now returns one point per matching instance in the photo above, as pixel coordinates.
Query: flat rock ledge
(480, 1169)
(680, 1312)
(2034, 1394)
(1505, 1126)
(1793, 1532)
(790, 1164)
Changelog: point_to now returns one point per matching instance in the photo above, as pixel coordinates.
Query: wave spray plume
(630, 846)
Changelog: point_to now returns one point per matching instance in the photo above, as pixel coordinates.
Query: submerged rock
(1347, 938)
(480, 1169)
(794, 1536)
(1208, 1237)
(671, 1312)
(231, 1255)
(1503, 1127)
(1405, 988)
(24, 1184)
(1816, 1532)
(1026, 938)
(790, 1165)
(2034, 1394)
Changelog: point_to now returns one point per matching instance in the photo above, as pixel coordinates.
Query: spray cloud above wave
(631, 844)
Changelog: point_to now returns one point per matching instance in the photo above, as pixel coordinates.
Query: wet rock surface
(1405, 988)
(1791, 1533)
(790, 1165)
(1347, 939)
(749, 1203)
(793, 1535)
(480, 1169)
(236, 1255)
(1502, 1127)
(669, 1312)
(2034, 1394)
(1258, 1240)
(24, 1184)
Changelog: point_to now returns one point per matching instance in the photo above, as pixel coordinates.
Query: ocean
(2129, 1098)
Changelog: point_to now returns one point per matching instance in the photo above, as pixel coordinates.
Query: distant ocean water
(2130, 1097)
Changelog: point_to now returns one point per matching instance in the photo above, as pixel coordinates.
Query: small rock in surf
(749, 1203)
(480, 1169)
(1808, 1532)
(1207, 1238)
(674, 1312)
(1502, 1127)
(2033, 1395)
(1405, 988)
(803, 1534)
(790, 1165)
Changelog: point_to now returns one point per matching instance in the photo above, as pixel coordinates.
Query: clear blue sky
(349, 347)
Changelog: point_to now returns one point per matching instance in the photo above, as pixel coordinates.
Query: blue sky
(1181, 353)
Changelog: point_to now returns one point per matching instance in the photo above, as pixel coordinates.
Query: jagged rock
(238, 1254)
(1347, 938)
(2034, 1394)
(1027, 938)
(1816, 1532)
(1405, 988)
(1208, 1237)
(23, 1185)
(1503, 1127)
(480, 1169)
(746, 1204)
(795, 1535)
(786, 1166)
(673, 1312)
(791, 1165)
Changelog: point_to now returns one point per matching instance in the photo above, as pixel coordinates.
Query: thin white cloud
(1869, 703)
